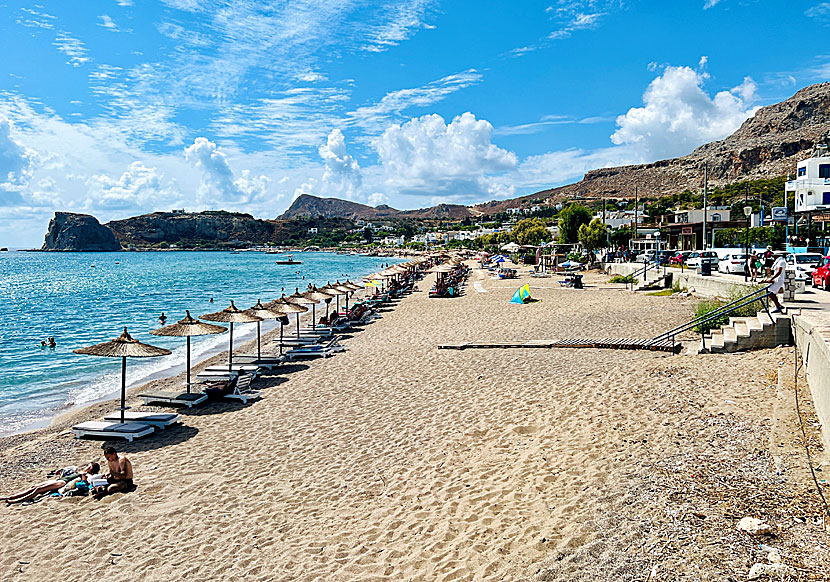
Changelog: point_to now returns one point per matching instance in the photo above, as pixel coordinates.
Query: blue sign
(779, 213)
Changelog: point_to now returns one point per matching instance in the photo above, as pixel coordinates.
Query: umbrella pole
(123, 386)
(327, 311)
(281, 327)
(188, 364)
(298, 325)
(230, 351)
(258, 349)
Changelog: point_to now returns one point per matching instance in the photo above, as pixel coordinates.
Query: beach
(398, 461)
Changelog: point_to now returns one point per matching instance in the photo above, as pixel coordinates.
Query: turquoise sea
(82, 299)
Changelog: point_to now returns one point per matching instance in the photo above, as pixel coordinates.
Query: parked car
(821, 276)
(803, 264)
(734, 263)
(680, 258)
(697, 257)
(646, 257)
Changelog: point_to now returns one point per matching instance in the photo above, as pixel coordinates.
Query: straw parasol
(124, 346)
(317, 295)
(263, 312)
(337, 291)
(187, 327)
(231, 315)
(285, 305)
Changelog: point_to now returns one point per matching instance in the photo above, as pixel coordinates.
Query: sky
(121, 107)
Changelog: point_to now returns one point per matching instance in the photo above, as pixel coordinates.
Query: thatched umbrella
(231, 315)
(285, 305)
(317, 295)
(335, 290)
(263, 312)
(123, 347)
(187, 327)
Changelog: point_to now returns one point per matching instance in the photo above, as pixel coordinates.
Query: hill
(768, 144)
(313, 206)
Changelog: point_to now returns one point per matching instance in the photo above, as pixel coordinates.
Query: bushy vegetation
(625, 279)
(707, 306)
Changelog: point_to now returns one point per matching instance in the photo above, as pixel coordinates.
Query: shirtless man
(120, 477)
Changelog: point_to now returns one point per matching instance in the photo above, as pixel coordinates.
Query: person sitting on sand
(65, 474)
(120, 477)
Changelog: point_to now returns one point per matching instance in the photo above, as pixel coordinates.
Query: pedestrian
(776, 281)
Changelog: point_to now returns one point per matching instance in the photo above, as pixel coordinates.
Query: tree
(622, 236)
(530, 231)
(593, 235)
(367, 234)
(570, 219)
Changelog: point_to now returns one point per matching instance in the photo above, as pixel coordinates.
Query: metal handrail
(641, 271)
(761, 295)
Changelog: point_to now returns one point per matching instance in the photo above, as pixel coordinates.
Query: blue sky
(120, 107)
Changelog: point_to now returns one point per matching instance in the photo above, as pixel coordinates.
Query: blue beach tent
(522, 295)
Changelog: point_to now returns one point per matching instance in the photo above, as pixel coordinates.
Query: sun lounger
(189, 399)
(216, 375)
(157, 420)
(241, 390)
(127, 430)
(238, 367)
(321, 351)
(264, 361)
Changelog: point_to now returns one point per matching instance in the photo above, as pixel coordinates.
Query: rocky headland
(78, 232)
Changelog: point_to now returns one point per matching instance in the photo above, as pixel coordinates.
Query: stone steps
(749, 333)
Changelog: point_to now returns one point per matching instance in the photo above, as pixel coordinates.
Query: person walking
(777, 278)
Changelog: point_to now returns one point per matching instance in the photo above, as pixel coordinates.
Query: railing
(640, 272)
(761, 295)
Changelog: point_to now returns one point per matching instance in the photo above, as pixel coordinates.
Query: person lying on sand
(64, 475)
(120, 476)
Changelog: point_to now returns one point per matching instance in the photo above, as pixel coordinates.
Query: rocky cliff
(78, 232)
(209, 227)
(768, 144)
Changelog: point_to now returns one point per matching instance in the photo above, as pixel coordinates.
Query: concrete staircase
(661, 282)
(749, 333)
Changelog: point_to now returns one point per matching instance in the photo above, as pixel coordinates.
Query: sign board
(686, 230)
(779, 213)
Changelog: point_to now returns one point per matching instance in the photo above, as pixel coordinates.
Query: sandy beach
(399, 461)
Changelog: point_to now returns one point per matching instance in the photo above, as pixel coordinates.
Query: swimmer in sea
(162, 317)
(52, 343)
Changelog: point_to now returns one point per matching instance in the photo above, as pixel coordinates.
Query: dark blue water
(83, 299)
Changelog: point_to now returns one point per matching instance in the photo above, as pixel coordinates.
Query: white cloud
(73, 48)
(426, 154)
(341, 174)
(401, 23)
(378, 198)
(375, 117)
(578, 21)
(124, 2)
(138, 187)
(678, 115)
(711, 4)
(108, 23)
(16, 161)
(218, 182)
(820, 11)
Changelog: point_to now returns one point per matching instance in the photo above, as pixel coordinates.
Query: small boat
(289, 261)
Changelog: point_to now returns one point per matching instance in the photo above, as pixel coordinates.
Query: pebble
(754, 526)
(771, 570)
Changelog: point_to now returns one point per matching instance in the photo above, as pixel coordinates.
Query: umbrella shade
(285, 305)
(187, 327)
(231, 315)
(123, 347)
(263, 312)
(316, 296)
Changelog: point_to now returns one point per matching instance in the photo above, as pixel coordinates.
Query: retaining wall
(812, 337)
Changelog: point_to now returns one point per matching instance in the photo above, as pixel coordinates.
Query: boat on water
(289, 260)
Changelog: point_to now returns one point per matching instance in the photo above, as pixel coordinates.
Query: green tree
(570, 219)
(367, 234)
(530, 231)
(592, 236)
(621, 237)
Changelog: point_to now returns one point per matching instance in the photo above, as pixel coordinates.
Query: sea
(82, 299)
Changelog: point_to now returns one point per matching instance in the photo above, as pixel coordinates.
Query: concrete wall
(812, 337)
(712, 286)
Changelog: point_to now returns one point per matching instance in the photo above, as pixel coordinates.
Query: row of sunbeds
(235, 382)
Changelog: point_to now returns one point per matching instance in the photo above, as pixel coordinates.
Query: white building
(312, 230)
(713, 214)
(811, 186)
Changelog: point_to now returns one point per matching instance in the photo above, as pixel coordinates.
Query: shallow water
(82, 299)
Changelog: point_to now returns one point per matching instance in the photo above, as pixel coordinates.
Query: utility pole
(705, 201)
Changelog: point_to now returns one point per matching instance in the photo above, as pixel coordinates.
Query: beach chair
(158, 420)
(266, 361)
(242, 389)
(320, 351)
(112, 430)
(238, 367)
(219, 375)
(189, 399)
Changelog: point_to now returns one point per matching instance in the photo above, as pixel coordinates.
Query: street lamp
(747, 213)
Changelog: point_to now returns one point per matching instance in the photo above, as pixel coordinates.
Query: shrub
(709, 305)
(624, 279)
